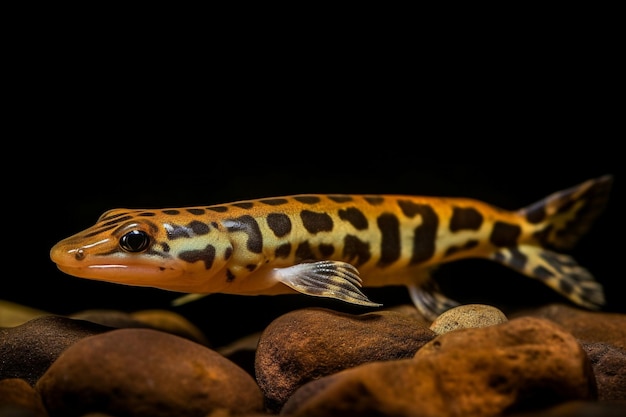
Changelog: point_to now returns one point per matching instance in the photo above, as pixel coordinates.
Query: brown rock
(591, 326)
(27, 350)
(480, 372)
(242, 351)
(609, 367)
(157, 319)
(308, 344)
(578, 409)
(171, 322)
(18, 398)
(145, 372)
(14, 314)
(467, 316)
(410, 310)
(112, 318)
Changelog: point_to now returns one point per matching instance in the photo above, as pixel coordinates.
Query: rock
(242, 351)
(609, 368)
(171, 322)
(145, 372)
(578, 409)
(591, 326)
(310, 343)
(14, 314)
(468, 316)
(480, 372)
(393, 388)
(18, 398)
(112, 318)
(157, 319)
(27, 350)
(412, 311)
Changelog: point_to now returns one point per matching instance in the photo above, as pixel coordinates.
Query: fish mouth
(142, 275)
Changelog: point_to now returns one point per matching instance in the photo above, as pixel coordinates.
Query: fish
(338, 245)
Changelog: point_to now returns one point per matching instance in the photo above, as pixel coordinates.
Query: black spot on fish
(355, 217)
(206, 255)
(230, 277)
(171, 212)
(244, 205)
(279, 223)
(566, 287)
(147, 214)
(518, 259)
(283, 250)
(425, 234)
(274, 201)
(409, 208)
(249, 226)
(465, 218)
(356, 249)
(315, 222)
(108, 216)
(199, 228)
(326, 250)
(218, 209)
(304, 252)
(115, 221)
(536, 213)
(389, 226)
(340, 198)
(196, 211)
(505, 234)
(374, 200)
(542, 273)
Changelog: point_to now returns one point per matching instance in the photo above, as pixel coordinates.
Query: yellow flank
(333, 245)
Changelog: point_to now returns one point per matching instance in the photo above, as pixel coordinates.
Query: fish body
(333, 245)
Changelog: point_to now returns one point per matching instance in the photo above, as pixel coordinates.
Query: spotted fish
(334, 245)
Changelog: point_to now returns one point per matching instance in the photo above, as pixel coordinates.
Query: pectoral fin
(333, 279)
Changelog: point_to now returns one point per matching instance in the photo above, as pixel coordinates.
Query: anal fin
(333, 279)
(558, 271)
(429, 300)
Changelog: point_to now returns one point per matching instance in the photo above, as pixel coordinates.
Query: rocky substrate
(471, 361)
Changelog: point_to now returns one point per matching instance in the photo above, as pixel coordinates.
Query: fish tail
(558, 221)
(564, 216)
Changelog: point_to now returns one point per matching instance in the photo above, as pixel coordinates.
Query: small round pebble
(468, 316)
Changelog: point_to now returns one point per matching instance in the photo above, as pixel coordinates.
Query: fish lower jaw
(143, 275)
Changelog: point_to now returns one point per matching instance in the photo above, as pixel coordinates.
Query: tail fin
(569, 214)
(561, 219)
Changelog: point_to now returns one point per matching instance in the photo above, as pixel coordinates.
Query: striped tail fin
(561, 219)
(569, 214)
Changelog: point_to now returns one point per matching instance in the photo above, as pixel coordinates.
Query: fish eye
(135, 241)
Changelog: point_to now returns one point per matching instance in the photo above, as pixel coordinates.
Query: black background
(108, 129)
